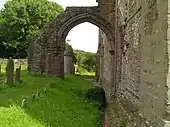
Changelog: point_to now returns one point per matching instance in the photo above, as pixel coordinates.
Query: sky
(83, 36)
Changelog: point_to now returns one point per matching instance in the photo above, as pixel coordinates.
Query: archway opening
(87, 48)
(84, 37)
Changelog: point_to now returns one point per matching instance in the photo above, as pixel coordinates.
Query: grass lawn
(62, 105)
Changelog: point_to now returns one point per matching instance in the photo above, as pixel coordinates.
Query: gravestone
(18, 75)
(10, 71)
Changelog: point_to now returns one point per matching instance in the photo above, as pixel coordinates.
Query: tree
(86, 60)
(20, 20)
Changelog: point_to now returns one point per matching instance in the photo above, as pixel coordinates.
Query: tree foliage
(86, 60)
(20, 20)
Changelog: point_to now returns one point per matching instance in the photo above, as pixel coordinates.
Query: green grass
(62, 105)
(83, 71)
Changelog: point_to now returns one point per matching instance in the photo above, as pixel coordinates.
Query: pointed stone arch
(86, 17)
(46, 54)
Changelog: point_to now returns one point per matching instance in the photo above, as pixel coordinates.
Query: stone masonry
(68, 60)
(133, 55)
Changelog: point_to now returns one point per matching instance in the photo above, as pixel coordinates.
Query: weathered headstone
(10, 71)
(18, 75)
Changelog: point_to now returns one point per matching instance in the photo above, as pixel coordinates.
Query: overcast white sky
(83, 36)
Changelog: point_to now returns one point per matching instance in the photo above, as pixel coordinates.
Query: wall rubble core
(133, 56)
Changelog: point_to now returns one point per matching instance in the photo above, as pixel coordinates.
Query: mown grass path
(62, 105)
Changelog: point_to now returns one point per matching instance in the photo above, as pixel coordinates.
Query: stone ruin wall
(105, 59)
(107, 11)
(142, 53)
(154, 60)
(99, 57)
(105, 66)
(128, 26)
(68, 60)
(44, 56)
(143, 70)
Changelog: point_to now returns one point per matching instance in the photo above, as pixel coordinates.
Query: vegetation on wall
(20, 20)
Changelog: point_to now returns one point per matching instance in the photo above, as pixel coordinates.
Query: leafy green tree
(86, 60)
(89, 62)
(20, 20)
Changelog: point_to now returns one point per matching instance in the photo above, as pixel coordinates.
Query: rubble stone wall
(142, 61)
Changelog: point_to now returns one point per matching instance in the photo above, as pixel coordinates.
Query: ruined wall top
(100, 2)
(81, 9)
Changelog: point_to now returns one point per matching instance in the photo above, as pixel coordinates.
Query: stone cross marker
(10, 71)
